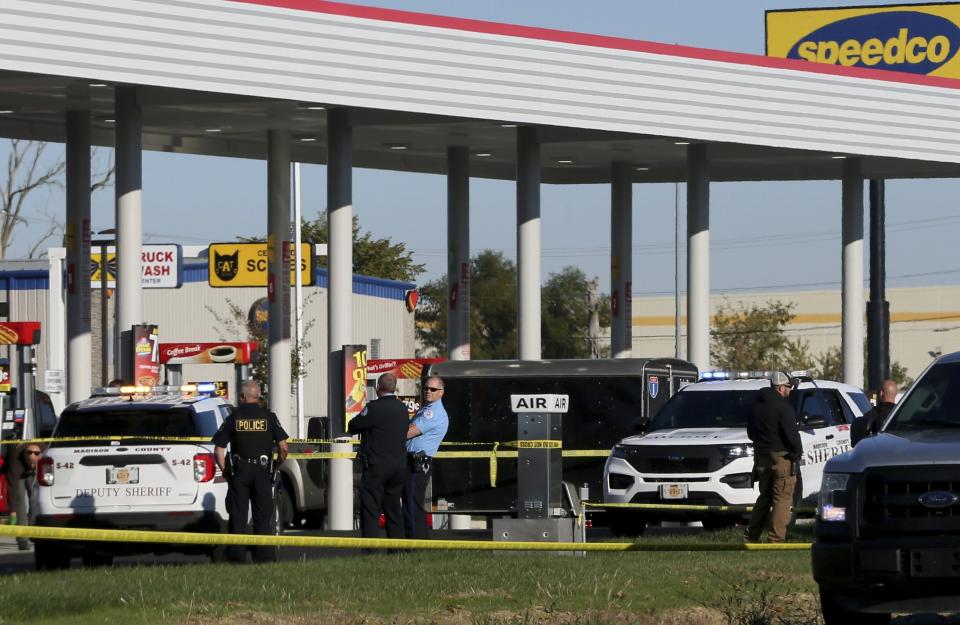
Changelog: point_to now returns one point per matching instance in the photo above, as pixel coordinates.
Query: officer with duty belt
(772, 426)
(252, 434)
(424, 436)
(382, 426)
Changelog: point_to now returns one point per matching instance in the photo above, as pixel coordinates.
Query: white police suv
(695, 450)
(150, 479)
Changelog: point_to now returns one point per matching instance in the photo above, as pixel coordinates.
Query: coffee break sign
(245, 264)
(207, 353)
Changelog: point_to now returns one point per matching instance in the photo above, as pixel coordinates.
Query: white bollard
(340, 492)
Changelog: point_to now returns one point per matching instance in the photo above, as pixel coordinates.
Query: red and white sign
(403, 368)
(19, 332)
(207, 353)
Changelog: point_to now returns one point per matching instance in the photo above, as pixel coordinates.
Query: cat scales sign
(245, 264)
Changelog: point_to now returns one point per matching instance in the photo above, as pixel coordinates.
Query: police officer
(424, 436)
(252, 434)
(870, 423)
(772, 426)
(382, 426)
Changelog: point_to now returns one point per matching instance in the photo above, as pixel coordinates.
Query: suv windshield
(174, 422)
(697, 409)
(933, 402)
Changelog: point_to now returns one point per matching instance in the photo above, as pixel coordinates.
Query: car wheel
(50, 557)
(282, 516)
(836, 614)
(97, 559)
(625, 524)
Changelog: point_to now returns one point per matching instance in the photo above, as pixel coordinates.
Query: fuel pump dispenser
(19, 416)
(548, 509)
(240, 354)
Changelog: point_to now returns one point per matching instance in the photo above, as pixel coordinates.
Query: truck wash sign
(919, 39)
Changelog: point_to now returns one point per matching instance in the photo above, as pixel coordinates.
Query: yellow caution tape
(533, 444)
(328, 542)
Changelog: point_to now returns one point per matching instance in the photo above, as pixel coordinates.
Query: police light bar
(722, 374)
(108, 391)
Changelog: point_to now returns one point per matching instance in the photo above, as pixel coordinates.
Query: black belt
(263, 460)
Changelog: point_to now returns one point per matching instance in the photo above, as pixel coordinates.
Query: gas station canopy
(216, 75)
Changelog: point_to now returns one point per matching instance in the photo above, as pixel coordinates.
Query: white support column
(698, 256)
(339, 297)
(56, 324)
(278, 273)
(129, 224)
(528, 244)
(458, 253)
(852, 310)
(621, 260)
(78, 340)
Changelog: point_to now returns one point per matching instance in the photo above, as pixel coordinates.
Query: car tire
(626, 525)
(283, 512)
(835, 614)
(97, 560)
(49, 556)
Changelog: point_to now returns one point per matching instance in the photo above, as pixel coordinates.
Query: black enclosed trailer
(607, 400)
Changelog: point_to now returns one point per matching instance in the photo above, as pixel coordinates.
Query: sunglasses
(434, 389)
(33, 453)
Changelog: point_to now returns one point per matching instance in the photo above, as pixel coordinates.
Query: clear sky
(765, 236)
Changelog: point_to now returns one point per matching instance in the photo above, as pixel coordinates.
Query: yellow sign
(914, 38)
(245, 264)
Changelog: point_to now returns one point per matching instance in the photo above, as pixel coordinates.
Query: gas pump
(19, 415)
(240, 354)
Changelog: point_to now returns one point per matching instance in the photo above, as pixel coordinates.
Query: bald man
(870, 423)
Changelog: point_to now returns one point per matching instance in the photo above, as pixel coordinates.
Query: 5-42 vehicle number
(64, 465)
(180, 461)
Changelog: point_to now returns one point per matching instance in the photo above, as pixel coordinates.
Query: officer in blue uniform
(424, 436)
(252, 434)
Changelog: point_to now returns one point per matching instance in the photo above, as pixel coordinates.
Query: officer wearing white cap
(772, 426)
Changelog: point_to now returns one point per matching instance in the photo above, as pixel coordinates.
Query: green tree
(493, 312)
(565, 310)
(751, 337)
(830, 367)
(380, 258)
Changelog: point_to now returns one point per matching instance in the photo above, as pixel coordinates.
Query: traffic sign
(161, 267)
(245, 264)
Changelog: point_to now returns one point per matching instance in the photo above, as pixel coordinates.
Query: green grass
(413, 587)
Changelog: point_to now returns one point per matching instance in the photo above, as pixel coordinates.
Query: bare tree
(28, 171)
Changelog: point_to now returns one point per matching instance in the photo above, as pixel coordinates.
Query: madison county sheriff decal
(919, 39)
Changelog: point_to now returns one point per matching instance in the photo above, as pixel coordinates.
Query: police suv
(888, 520)
(695, 450)
(151, 479)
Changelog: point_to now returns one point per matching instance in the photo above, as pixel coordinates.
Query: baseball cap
(778, 378)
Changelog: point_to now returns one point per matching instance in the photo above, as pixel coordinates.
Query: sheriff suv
(887, 532)
(139, 482)
(695, 450)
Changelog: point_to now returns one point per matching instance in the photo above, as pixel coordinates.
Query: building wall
(922, 319)
(191, 313)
